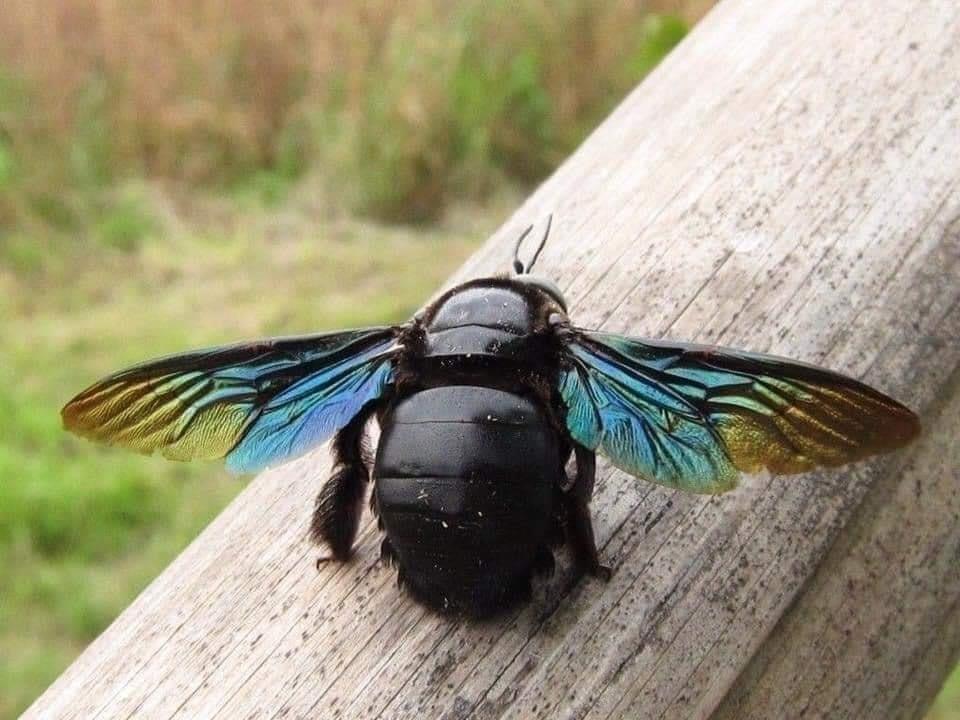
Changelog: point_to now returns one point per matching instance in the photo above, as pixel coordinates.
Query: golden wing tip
(70, 417)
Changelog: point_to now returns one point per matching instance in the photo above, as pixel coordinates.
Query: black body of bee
(469, 478)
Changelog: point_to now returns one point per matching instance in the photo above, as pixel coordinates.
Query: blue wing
(311, 410)
(256, 403)
(693, 417)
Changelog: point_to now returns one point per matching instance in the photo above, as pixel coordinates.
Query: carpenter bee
(482, 399)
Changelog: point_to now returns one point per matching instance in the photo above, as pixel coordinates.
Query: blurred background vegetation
(192, 172)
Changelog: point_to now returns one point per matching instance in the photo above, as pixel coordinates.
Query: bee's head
(543, 284)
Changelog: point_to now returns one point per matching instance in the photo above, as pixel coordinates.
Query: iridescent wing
(256, 403)
(694, 417)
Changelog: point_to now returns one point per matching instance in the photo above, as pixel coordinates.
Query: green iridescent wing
(695, 417)
(254, 403)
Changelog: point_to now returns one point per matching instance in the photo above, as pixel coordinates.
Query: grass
(409, 104)
(947, 704)
(83, 528)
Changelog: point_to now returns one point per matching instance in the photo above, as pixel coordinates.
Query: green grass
(947, 704)
(83, 528)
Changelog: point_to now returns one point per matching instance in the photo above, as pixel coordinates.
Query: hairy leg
(579, 523)
(339, 505)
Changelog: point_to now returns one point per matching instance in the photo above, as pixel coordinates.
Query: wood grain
(787, 182)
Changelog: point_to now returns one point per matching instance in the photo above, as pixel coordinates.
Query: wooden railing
(788, 181)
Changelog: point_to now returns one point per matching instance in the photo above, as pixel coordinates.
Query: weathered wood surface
(787, 181)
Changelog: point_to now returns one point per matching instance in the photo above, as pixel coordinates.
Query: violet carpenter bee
(482, 399)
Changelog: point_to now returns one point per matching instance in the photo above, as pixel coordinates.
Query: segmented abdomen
(465, 481)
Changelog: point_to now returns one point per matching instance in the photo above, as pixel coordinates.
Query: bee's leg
(543, 563)
(579, 524)
(336, 515)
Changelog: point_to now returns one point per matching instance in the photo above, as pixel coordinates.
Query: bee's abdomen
(465, 481)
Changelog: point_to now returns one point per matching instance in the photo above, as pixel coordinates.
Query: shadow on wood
(785, 182)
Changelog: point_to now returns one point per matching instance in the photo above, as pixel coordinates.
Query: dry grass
(408, 99)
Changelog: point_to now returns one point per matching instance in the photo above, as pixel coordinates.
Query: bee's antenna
(517, 265)
(546, 234)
